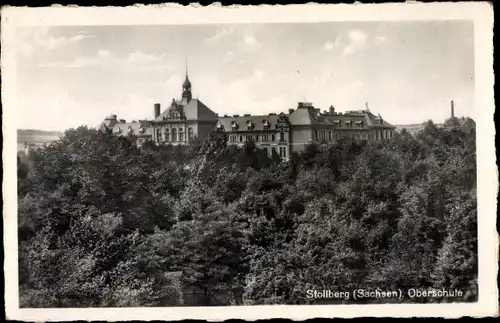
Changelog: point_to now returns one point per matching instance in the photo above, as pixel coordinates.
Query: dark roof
(186, 82)
(458, 121)
(465, 120)
(302, 116)
(194, 110)
(373, 121)
(257, 122)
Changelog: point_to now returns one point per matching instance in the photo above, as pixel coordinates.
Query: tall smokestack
(452, 109)
(157, 110)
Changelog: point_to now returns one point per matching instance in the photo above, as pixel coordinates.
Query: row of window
(379, 134)
(174, 135)
(263, 138)
(272, 150)
(383, 134)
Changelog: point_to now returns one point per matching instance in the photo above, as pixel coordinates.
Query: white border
(480, 12)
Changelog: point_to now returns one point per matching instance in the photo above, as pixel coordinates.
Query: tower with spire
(186, 89)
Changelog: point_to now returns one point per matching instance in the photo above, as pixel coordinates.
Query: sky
(408, 72)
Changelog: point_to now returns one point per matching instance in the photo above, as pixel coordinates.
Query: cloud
(42, 39)
(141, 57)
(104, 53)
(104, 58)
(328, 45)
(219, 34)
(248, 43)
(357, 40)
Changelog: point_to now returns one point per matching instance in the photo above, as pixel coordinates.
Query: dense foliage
(105, 223)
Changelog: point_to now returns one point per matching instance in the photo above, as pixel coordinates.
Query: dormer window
(266, 124)
(359, 124)
(130, 130)
(142, 129)
(348, 123)
(118, 130)
(234, 125)
(219, 126)
(337, 123)
(249, 124)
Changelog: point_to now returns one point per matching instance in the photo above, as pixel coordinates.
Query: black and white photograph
(233, 164)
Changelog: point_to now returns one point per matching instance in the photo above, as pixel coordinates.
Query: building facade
(187, 118)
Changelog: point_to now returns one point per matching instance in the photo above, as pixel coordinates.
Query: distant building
(464, 124)
(32, 139)
(188, 118)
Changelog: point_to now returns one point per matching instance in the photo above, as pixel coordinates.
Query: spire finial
(186, 66)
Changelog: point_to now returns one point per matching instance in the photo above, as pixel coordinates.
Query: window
(265, 137)
(158, 135)
(181, 134)
(256, 137)
(167, 134)
(190, 133)
(316, 135)
(282, 136)
(174, 134)
(241, 138)
(273, 151)
(282, 152)
(330, 135)
(272, 137)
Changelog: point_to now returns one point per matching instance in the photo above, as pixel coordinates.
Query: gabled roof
(194, 110)
(373, 121)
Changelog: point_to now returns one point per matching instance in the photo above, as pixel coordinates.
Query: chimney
(290, 111)
(301, 105)
(157, 110)
(332, 110)
(122, 121)
(452, 109)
